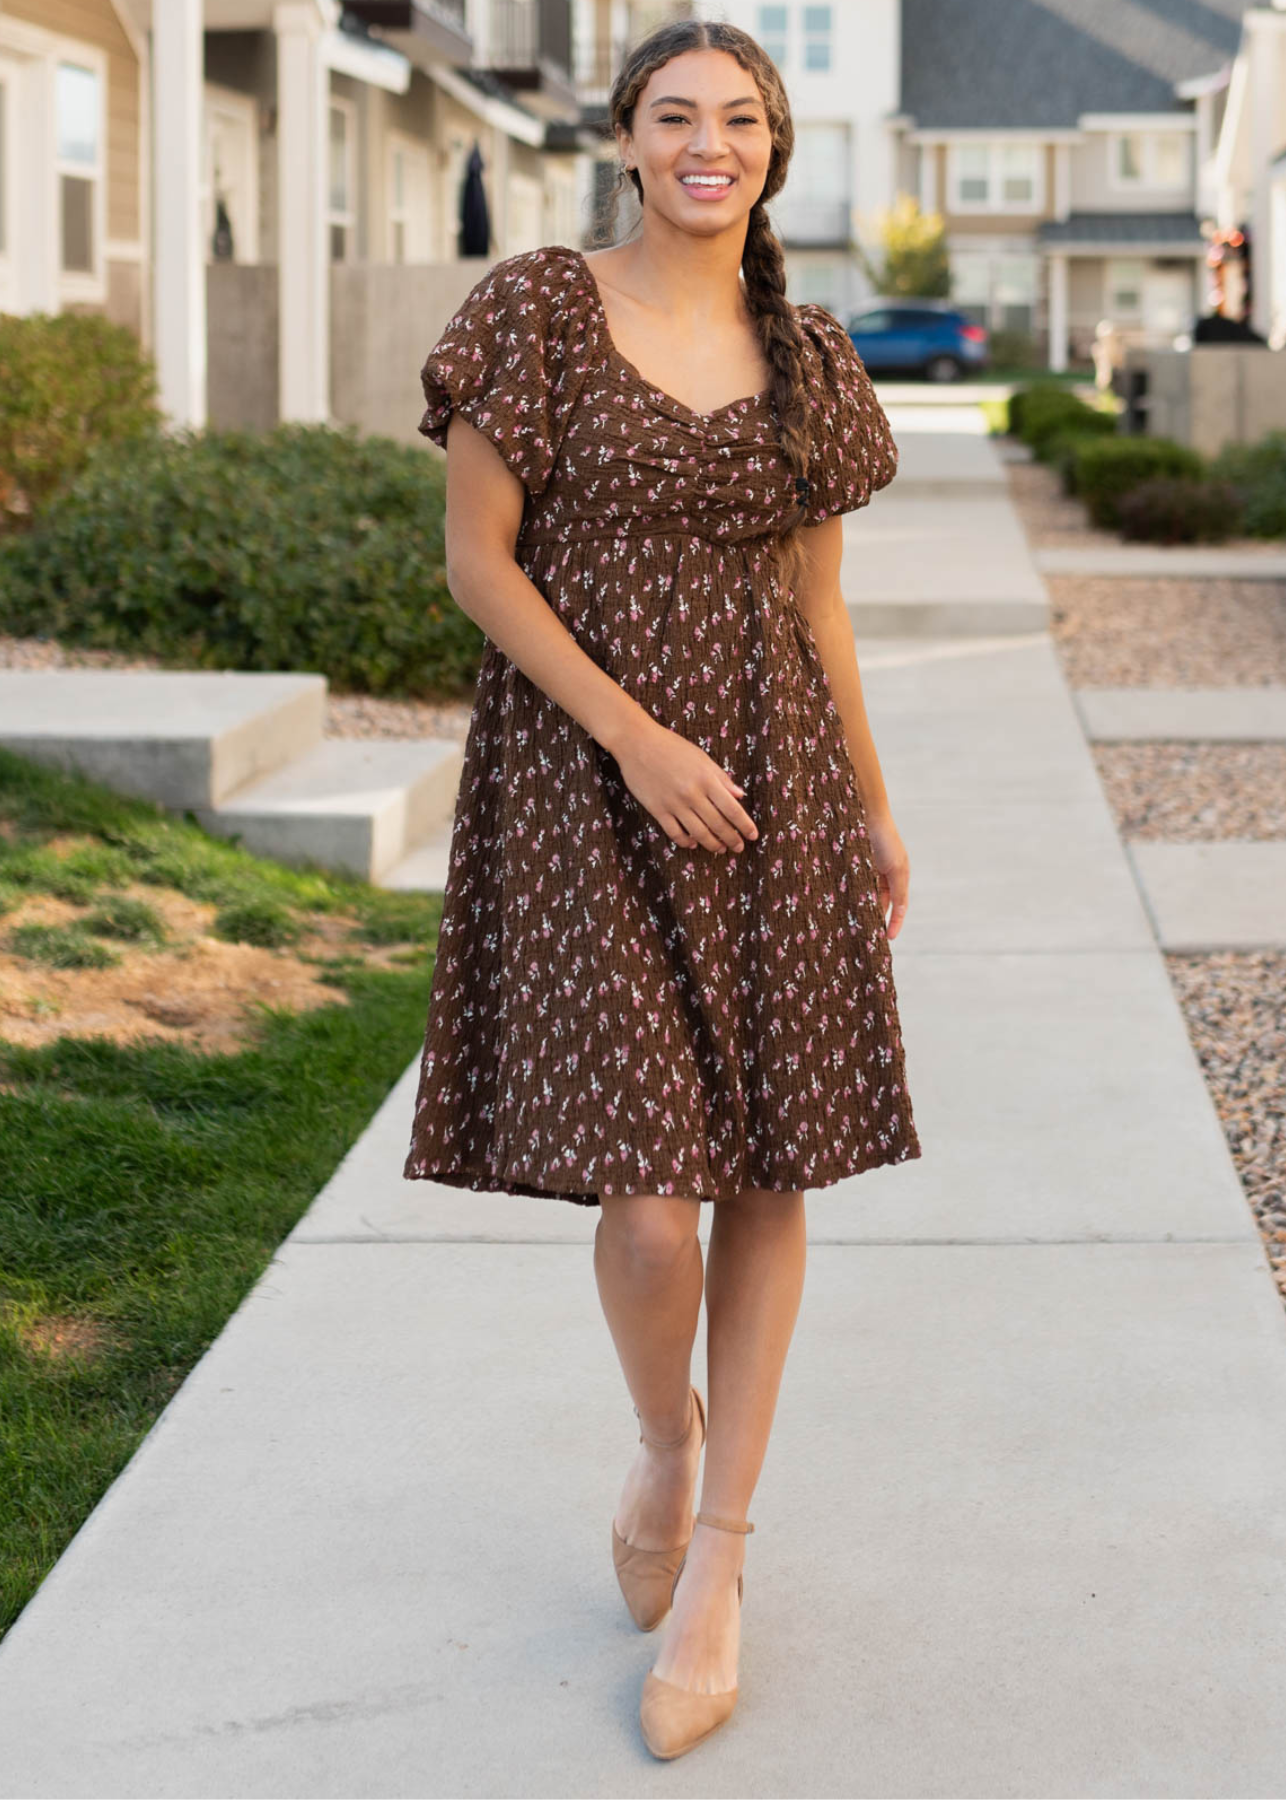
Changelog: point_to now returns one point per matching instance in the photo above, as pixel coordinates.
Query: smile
(707, 185)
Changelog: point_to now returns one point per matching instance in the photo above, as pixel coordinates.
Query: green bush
(68, 383)
(1047, 416)
(1062, 448)
(303, 548)
(1258, 472)
(1107, 468)
(1035, 392)
(1178, 509)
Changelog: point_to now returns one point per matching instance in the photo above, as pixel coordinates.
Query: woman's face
(700, 114)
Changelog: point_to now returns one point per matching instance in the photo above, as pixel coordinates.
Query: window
(78, 113)
(1125, 287)
(1015, 284)
(772, 32)
(815, 203)
(1171, 164)
(1017, 174)
(817, 39)
(342, 217)
(996, 288)
(408, 200)
(1149, 159)
(1129, 156)
(973, 184)
(998, 177)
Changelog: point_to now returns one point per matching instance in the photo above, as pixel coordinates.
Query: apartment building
(268, 192)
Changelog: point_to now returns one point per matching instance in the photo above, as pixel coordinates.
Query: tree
(914, 252)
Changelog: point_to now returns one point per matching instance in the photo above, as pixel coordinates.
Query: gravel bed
(1232, 1001)
(1195, 793)
(1135, 631)
(346, 716)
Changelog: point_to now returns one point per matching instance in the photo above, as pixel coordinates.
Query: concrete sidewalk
(1022, 1526)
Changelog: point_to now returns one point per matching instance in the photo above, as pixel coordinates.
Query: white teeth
(706, 180)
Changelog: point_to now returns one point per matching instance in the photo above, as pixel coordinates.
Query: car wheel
(942, 368)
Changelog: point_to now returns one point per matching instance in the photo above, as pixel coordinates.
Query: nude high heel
(647, 1577)
(674, 1718)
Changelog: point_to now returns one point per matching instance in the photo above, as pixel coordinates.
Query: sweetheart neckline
(631, 369)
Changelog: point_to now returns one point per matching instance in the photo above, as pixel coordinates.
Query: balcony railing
(804, 222)
(527, 33)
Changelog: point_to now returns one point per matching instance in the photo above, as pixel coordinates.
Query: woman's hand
(692, 799)
(888, 853)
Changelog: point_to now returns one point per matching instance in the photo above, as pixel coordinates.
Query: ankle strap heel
(705, 1518)
(695, 1408)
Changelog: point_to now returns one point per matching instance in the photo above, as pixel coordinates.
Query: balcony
(529, 48)
(811, 224)
(425, 31)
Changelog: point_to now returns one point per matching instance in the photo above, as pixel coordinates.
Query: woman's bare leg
(753, 1285)
(647, 1262)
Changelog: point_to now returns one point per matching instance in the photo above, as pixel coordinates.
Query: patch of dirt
(196, 990)
(59, 1335)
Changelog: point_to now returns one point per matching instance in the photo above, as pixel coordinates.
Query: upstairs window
(995, 177)
(817, 39)
(78, 109)
(773, 24)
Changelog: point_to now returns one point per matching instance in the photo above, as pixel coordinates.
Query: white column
(1062, 179)
(303, 173)
(178, 57)
(1057, 311)
(1265, 49)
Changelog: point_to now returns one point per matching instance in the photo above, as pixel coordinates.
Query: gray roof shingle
(1018, 63)
(1179, 228)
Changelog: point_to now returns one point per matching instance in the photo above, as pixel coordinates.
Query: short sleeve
(503, 363)
(853, 452)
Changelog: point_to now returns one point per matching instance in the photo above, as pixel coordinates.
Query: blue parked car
(923, 337)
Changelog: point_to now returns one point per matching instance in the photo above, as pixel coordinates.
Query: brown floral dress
(611, 1013)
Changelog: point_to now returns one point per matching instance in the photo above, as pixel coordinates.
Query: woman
(664, 972)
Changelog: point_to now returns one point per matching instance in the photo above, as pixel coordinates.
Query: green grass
(145, 1187)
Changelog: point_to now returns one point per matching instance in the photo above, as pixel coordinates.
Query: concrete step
(185, 739)
(425, 866)
(356, 804)
(1232, 715)
(1193, 562)
(1227, 895)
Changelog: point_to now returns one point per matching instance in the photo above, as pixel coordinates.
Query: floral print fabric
(611, 1013)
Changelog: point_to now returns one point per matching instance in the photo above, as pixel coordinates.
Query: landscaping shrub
(1258, 472)
(1049, 416)
(1178, 509)
(68, 383)
(1035, 392)
(303, 548)
(1062, 448)
(1107, 469)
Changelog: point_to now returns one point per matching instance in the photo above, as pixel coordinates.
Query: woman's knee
(654, 1233)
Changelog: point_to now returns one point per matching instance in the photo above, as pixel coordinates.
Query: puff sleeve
(503, 364)
(853, 452)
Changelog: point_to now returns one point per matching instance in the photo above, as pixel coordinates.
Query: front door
(1167, 304)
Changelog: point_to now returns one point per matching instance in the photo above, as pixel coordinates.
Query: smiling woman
(664, 972)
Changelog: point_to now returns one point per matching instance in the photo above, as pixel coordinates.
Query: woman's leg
(754, 1282)
(647, 1262)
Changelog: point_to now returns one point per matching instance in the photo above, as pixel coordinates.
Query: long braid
(763, 263)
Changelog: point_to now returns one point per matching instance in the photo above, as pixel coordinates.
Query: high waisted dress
(611, 1012)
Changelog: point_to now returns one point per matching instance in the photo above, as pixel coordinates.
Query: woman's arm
(685, 790)
(820, 600)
